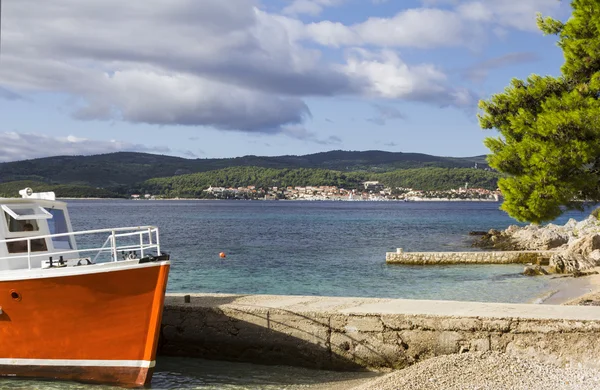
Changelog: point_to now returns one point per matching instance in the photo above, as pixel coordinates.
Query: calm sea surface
(306, 248)
(319, 248)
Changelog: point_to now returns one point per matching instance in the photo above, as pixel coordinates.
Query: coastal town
(369, 191)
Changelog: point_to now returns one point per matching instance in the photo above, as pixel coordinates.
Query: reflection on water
(179, 373)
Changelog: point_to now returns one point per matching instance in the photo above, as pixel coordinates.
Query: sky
(228, 78)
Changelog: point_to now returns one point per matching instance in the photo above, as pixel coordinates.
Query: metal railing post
(141, 244)
(29, 253)
(114, 245)
(157, 242)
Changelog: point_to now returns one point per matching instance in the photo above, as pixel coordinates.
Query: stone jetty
(339, 333)
(494, 257)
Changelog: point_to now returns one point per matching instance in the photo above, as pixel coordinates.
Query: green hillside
(192, 185)
(11, 190)
(119, 171)
(428, 179)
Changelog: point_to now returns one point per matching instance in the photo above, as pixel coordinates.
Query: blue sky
(214, 78)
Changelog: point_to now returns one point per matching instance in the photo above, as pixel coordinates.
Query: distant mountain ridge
(127, 168)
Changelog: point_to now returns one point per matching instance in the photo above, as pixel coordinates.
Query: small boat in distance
(89, 315)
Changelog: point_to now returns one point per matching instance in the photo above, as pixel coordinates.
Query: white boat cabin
(34, 215)
(36, 233)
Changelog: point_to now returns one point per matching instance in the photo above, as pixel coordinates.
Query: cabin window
(22, 217)
(37, 245)
(26, 225)
(58, 225)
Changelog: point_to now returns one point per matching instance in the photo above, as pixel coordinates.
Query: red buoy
(222, 255)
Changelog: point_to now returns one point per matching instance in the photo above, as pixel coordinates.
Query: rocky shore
(489, 371)
(577, 244)
(577, 247)
(493, 370)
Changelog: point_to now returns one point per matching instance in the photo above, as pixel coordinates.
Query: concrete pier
(371, 334)
(496, 257)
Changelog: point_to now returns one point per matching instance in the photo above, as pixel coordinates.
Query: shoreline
(568, 290)
(298, 200)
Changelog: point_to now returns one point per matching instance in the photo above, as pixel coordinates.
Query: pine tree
(549, 144)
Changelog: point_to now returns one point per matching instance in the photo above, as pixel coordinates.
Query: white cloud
(385, 113)
(480, 71)
(520, 15)
(228, 64)
(309, 7)
(210, 63)
(466, 23)
(414, 27)
(171, 99)
(385, 75)
(9, 95)
(22, 146)
(424, 27)
(300, 133)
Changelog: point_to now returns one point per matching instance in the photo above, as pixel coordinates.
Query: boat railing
(148, 240)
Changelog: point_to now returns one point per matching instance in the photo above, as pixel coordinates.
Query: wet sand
(574, 291)
(567, 289)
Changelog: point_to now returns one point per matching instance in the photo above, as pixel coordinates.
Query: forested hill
(127, 168)
(193, 185)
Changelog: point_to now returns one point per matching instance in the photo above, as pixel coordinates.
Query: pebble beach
(486, 371)
(497, 371)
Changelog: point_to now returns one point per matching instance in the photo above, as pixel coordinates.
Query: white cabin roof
(43, 199)
(40, 202)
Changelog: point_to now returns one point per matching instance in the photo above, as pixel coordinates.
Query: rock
(579, 274)
(497, 240)
(582, 254)
(512, 229)
(561, 264)
(477, 233)
(540, 239)
(586, 245)
(571, 223)
(534, 270)
(577, 244)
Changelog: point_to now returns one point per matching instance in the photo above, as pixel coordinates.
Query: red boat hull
(95, 326)
(123, 376)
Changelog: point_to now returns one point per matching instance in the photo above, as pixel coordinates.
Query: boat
(90, 315)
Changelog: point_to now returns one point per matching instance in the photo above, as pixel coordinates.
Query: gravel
(489, 371)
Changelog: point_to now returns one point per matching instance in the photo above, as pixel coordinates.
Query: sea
(317, 248)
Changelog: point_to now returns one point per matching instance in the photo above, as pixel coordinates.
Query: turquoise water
(304, 248)
(320, 248)
(178, 373)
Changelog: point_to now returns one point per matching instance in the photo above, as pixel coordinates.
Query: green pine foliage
(549, 144)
